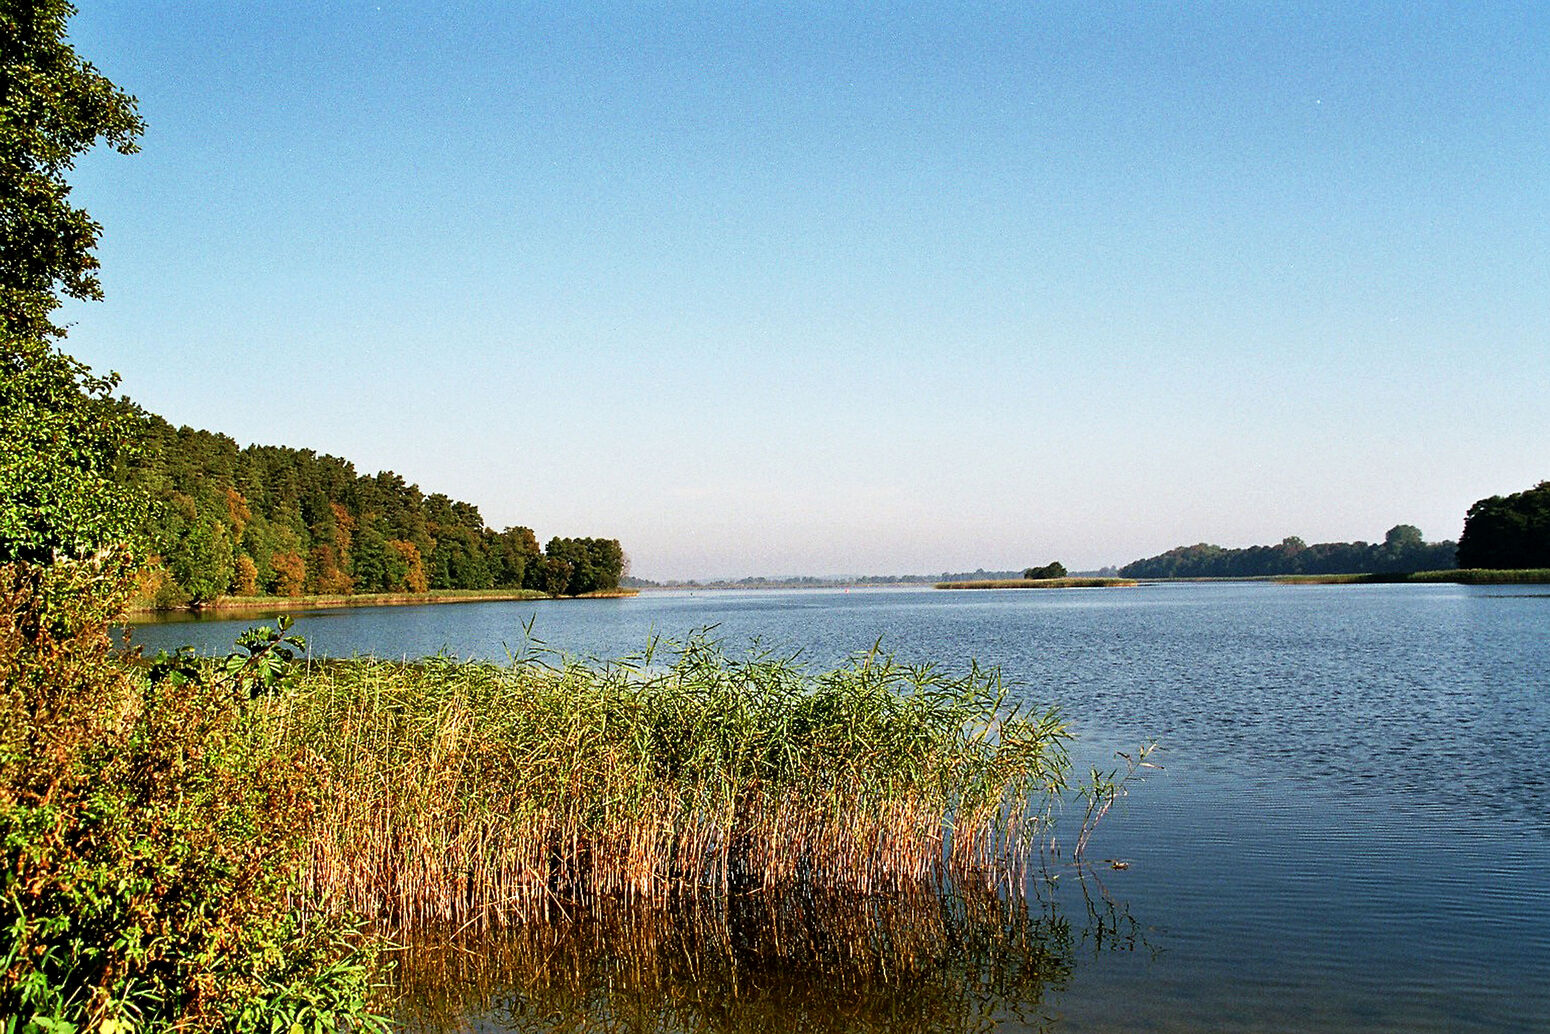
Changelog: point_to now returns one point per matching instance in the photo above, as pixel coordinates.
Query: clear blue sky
(843, 288)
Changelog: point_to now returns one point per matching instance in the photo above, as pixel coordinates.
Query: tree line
(273, 520)
(1402, 550)
(1508, 532)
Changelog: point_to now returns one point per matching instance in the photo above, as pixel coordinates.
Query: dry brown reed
(468, 794)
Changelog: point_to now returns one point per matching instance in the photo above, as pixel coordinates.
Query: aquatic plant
(471, 793)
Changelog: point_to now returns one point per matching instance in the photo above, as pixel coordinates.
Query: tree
(595, 564)
(61, 440)
(551, 574)
(1508, 532)
(1053, 570)
(511, 552)
(60, 433)
(54, 107)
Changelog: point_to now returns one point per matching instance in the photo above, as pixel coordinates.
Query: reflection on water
(934, 960)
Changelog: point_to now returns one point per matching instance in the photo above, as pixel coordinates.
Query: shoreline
(1043, 583)
(1458, 576)
(245, 604)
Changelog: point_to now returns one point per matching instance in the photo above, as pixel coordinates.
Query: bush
(148, 842)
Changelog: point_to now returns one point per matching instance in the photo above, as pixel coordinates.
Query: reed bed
(471, 794)
(1465, 576)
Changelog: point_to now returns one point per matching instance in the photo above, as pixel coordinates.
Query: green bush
(148, 843)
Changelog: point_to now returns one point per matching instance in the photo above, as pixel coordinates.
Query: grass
(474, 794)
(1040, 583)
(1466, 576)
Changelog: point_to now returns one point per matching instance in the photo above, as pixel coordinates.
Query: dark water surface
(1351, 833)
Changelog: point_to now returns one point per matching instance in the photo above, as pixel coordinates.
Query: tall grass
(471, 793)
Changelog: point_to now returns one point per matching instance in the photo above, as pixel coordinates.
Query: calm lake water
(1351, 831)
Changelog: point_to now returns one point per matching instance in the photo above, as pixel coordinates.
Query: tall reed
(470, 793)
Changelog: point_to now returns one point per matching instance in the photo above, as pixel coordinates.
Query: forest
(1508, 532)
(273, 520)
(1402, 550)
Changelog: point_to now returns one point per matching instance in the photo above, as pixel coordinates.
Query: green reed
(470, 793)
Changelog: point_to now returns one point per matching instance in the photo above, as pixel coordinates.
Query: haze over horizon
(832, 290)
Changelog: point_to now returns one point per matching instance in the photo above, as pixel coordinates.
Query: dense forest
(271, 520)
(1402, 550)
(1507, 532)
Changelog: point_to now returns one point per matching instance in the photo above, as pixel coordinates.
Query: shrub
(148, 842)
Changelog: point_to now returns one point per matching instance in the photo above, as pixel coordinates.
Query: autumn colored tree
(290, 574)
(407, 572)
(245, 580)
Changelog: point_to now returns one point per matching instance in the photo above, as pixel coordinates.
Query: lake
(1351, 830)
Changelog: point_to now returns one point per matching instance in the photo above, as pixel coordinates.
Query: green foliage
(149, 841)
(54, 107)
(596, 565)
(471, 792)
(60, 435)
(1402, 550)
(549, 574)
(1053, 570)
(511, 552)
(298, 522)
(61, 439)
(1508, 532)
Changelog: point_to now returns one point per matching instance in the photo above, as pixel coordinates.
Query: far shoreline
(1042, 583)
(267, 604)
(1458, 576)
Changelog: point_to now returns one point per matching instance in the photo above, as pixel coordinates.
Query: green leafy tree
(1402, 550)
(1052, 570)
(61, 435)
(595, 564)
(1508, 532)
(551, 575)
(511, 551)
(54, 107)
(61, 441)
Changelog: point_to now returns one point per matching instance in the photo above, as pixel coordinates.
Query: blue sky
(835, 288)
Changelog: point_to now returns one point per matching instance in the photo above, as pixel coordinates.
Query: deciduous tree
(54, 107)
(1506, 532)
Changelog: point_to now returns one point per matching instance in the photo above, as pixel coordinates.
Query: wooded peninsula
(268, 520)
